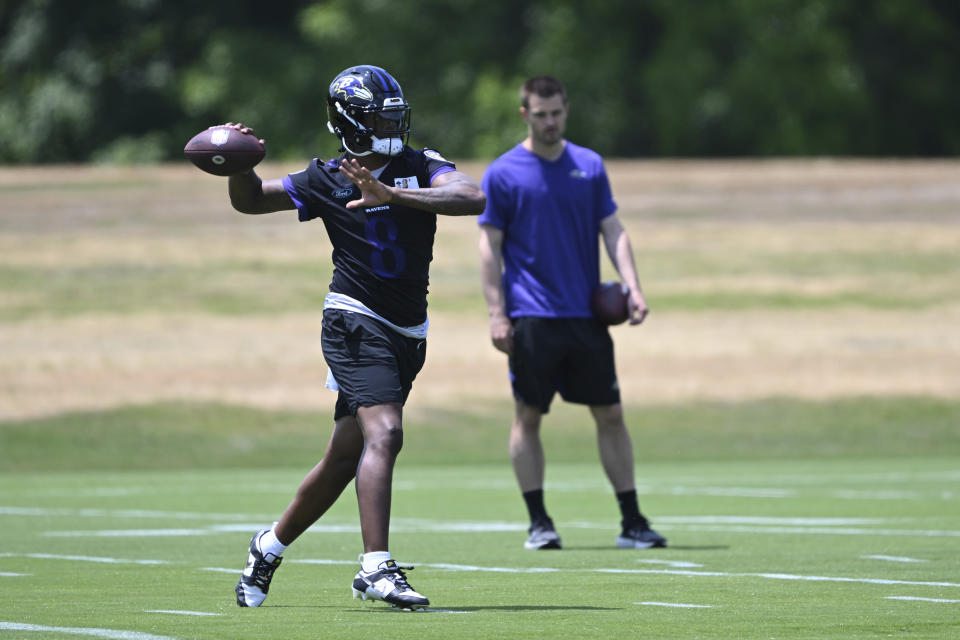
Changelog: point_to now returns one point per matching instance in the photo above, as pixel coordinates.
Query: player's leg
(318, 491)
(325, 482)
(526, 449)
(383, 438)
(616, 448)
(533, 361)
(529, 464)
(616, 455)
(380, 577)
(591, 379)
(374, 367)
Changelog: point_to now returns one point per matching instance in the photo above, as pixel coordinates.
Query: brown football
(224, 151)
(609, 303)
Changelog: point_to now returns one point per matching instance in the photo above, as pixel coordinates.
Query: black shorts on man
(569, 356)
(371, 363)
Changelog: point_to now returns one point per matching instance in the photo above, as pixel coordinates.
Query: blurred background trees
(132, 80)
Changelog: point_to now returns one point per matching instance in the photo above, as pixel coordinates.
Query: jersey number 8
(386, 251)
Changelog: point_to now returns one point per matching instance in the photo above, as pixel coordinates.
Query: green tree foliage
(795, 77)
(132, 80)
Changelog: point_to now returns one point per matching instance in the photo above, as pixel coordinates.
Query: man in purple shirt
(548, 200)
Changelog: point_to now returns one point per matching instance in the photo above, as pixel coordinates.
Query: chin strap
(383, 146)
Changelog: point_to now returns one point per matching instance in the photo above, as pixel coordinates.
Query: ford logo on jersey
(342, 193)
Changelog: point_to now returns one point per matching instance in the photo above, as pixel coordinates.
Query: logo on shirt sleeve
(406, 183)
(433, 153)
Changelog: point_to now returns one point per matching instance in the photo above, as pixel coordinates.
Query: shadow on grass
(672, 547)
(379, 608)
(504, 607)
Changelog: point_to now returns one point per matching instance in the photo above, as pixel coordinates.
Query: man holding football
(548, 200)
(379, 203)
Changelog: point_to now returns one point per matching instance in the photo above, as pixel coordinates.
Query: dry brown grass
(68, 217)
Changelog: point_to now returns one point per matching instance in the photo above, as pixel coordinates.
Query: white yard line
(677, 564)
(442, 611)
(181, 613)
(244, 522)
(235, 570)
(67, 512)
(679, 605)
(529, 570)
(500, 527)
(926, 533)
(240, 520)
(893, 559)
(727, 492)
(789, 576)
(128, 533)
(112, 634)
(769, 520)
(676, 572)
(914, 598)
(875, 494)
(52, 556)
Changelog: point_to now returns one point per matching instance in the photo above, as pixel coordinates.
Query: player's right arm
(491, 273)
(251, 194)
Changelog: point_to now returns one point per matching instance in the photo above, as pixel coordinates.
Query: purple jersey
(550, 214)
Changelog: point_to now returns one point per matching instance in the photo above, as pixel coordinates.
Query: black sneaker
(639, 535)
(255, 580)
(542, 536)
(388, 583)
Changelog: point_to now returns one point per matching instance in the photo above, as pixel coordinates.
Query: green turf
(787, 518)
(765, 549)
(183, 435)
(235, 288)
(872, 279)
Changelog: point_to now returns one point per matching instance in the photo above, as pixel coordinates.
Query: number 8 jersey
(381, 255)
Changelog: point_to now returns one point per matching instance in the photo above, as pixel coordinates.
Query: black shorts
(372, 363)
(572, 356)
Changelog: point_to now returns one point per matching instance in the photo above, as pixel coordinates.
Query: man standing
(378, 203)
(547, 201)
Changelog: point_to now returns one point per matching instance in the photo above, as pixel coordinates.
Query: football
(609, 303)
(224, 151)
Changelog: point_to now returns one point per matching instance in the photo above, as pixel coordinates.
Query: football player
(379, 202)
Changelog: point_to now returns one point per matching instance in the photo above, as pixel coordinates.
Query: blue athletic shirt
(550, 215)
(381, 255)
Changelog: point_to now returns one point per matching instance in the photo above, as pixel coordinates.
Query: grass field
(794, 400)
(793, 549)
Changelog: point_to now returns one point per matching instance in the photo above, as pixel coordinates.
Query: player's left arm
(451, 194)
(618, 246)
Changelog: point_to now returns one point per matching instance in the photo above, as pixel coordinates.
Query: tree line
(132, 80)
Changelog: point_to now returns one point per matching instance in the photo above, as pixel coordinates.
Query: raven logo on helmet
(366, 110)
(351, 87)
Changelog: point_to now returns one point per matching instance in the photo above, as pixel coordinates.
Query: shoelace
(400, 578)
(263, 573)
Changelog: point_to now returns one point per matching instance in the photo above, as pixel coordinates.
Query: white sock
(268, 543)
(372, 560)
